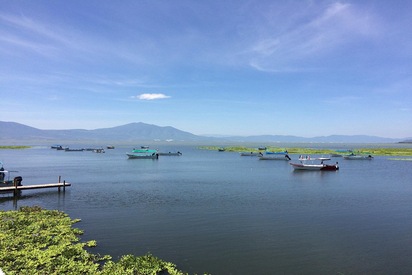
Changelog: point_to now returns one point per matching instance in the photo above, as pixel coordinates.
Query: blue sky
(306, 68)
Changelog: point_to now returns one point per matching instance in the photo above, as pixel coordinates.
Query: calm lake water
(221, 213)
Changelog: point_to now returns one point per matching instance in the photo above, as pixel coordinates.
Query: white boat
(358, 157)
(143, 154)
(312, 164)
(5, 180)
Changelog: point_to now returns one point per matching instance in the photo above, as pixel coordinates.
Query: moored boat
(276, 153)
(312, 164)
(73, 150)
(178, 153)
(250, 154)
(5, 180)
(143, 154)
(276, 157)
(358, 157)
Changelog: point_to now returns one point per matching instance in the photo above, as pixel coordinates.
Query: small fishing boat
(251, 154)
(143, 154)
(276, 157)
(5, 180)
(109, 147)
(221, 149)
(358, 157)
(100, 150)
(73, 150)
(276, 153)
(178, 153)
(312, 164)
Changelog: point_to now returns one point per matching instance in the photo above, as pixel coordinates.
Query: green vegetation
(38, 241)
(311, 151)
(14, 147)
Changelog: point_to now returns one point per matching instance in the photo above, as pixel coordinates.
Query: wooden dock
(36, 186)
(17, 187)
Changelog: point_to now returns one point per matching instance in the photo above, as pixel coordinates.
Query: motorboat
(143, 154)
(358, 157)
(314, 164)
(5, 180)
(251, 154)
(276, 153)
(178, 153)
(275, 157)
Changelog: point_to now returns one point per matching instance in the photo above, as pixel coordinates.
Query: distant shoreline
(318, 151)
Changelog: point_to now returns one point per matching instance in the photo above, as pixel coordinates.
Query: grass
(14, 147)
(312, 151)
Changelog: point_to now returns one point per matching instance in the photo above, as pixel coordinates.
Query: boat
(109, 147)
(276, 153)
(262, 148)
(221, 149)
(5, 180)
(143, 154)
(170, 153)
(358, 157)
(73, 150)
(276, 157)
(312, 164)
(100, 150)
(251, 154)
(58, 147)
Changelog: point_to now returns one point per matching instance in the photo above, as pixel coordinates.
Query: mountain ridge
(139, 131)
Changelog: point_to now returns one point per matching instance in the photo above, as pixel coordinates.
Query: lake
(221, 213)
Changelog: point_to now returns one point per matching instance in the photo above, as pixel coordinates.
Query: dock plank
(36, 186)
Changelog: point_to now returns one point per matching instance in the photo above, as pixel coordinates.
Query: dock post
(64, 186)
(59, 182)
(17, 182)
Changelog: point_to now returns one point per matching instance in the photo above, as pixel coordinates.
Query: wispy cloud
(321, 33)
(151, 96)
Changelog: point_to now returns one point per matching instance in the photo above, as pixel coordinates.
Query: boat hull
(315, 167)
(251, 154)
(136, 156)
(170, 154)
(356, 157)
(275, 157)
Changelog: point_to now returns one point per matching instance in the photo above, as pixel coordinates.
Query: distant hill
(133, 132)
(125, 133)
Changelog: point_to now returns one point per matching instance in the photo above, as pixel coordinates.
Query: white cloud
(314, 36)
(151, 96)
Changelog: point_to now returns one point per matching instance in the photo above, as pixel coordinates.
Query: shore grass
(317, 151)
(14, 147)
(39, 241)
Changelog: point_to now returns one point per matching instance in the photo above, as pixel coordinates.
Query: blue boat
(143, 154)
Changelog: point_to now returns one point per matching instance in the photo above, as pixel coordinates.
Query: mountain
(125, 133)
(132, 132)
